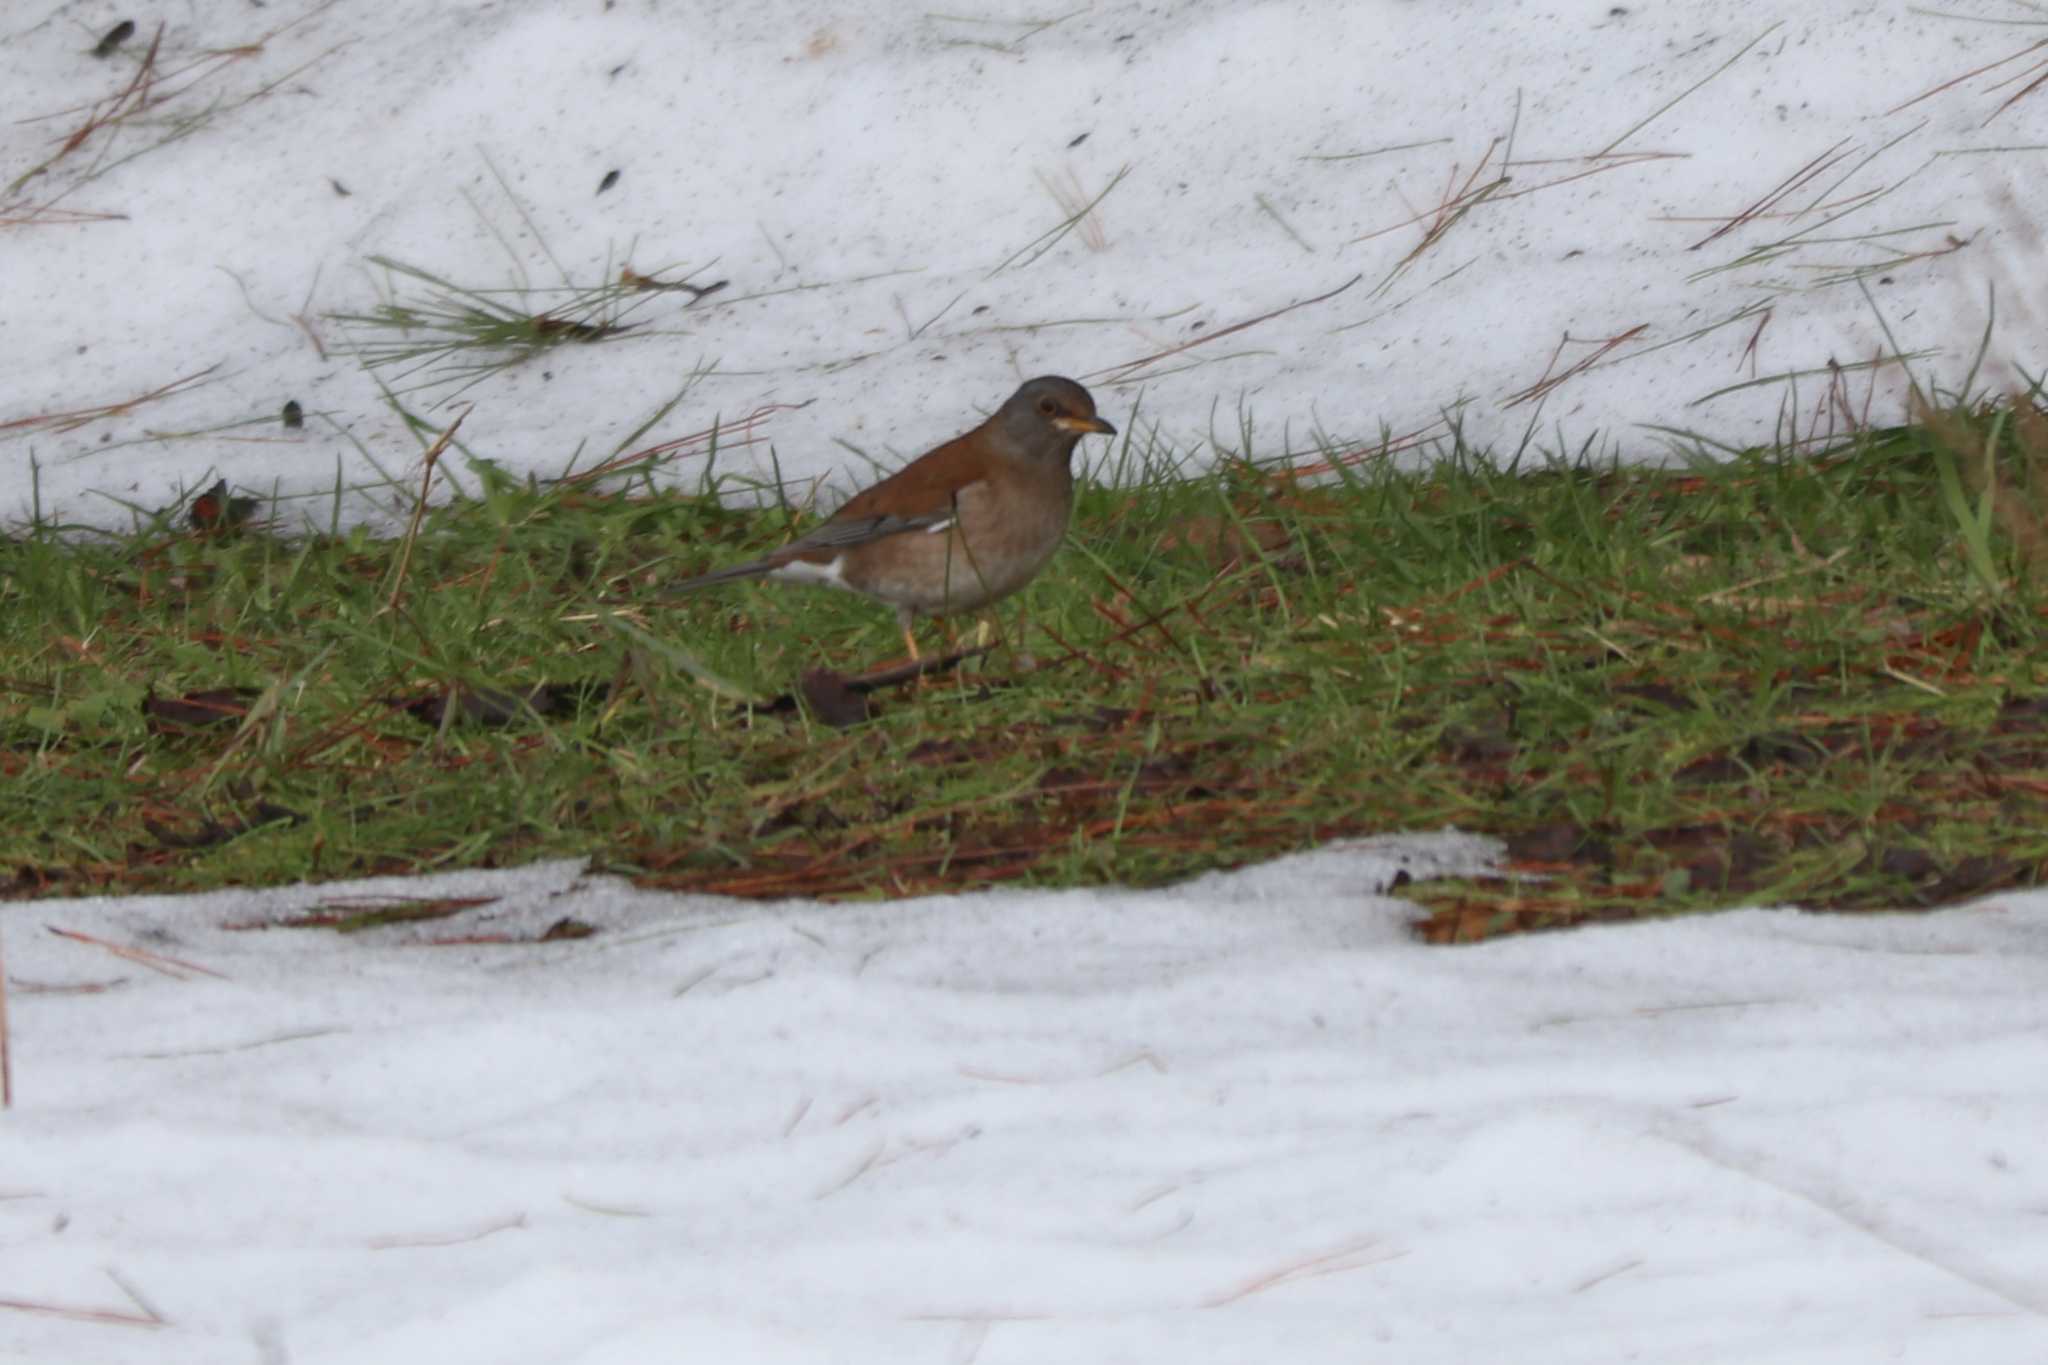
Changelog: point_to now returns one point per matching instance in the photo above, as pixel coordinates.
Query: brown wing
(916, 497)
(926, 487)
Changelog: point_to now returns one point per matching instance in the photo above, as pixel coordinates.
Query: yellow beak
(1084, 426)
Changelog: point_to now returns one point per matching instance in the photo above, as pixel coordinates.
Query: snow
(1247, 1118)
(861, 173)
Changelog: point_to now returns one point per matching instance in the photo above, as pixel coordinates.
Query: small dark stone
(567, 928)
(493, 705)
(831, 700)
(117, 35)
(1719, 768)
(1971, 877)
(1911, 864)
(1547, 844)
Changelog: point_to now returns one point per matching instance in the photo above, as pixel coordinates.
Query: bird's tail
(753, 569)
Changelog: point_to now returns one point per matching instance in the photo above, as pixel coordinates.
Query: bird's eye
(1047, 406)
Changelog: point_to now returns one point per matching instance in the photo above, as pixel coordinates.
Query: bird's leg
(904, 618)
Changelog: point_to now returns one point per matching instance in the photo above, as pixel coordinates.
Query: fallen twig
(717, 433)
(516, 1221)
(1542, 387)
(156, 962)
(1329, 1263)
(1954, 81)
(1117, 374)
(419, 507)
(112, 1316)
(1784, 187)
(1686, 93)
(71, 421)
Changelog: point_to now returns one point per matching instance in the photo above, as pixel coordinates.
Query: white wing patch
(831, 574)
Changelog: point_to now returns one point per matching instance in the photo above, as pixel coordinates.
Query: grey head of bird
(1044, 419)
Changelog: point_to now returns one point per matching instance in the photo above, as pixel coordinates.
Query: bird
(963, 525)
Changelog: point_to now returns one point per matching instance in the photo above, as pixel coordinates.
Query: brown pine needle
(156, 962)
(419, 506)
(1118, 373)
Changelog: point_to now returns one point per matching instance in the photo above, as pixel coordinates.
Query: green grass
(1764, 677)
